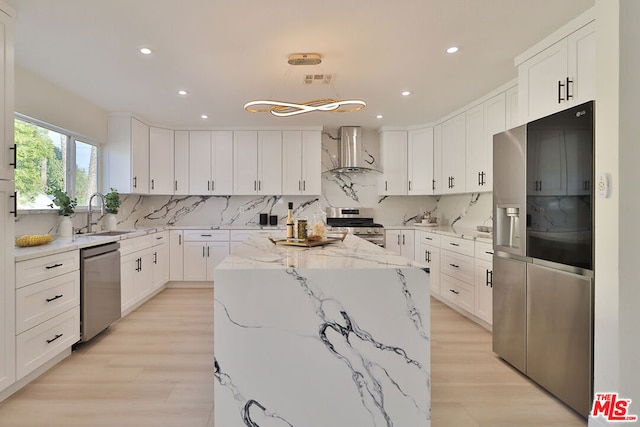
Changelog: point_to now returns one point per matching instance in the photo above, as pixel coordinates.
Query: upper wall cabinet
(453, 155)
(161, 161)
(210, 162)
(181, 162)
(482, 122)
(561, 74)
(420, 162)
(393, 150)
(301, 162)
(257, 160)
(7, 147)
(128, 155)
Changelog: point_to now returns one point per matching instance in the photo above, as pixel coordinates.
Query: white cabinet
(511, 100)
(393, 151)
(135, 271)
(210, 162)
(301, 162)
(128, 155)
(181, 162)
(437, 160)
(453, 155)
(176, 255)
(7, 290)
(257, 160)
(483, 122)
(203, 251)
(420, 162)
(484, 282)
(7, 147)
(428, 252)
(457, 272)
(47, 309)
(159, 259)
(400, 242)
(161, 161)
(558, 77)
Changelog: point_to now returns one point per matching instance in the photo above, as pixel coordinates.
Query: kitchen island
(336, 336)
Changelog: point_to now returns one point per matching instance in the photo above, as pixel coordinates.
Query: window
(50, 159)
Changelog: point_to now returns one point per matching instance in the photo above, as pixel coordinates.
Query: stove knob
(357, 231)
(369, 231)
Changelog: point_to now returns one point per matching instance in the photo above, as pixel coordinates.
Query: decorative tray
(308, 243)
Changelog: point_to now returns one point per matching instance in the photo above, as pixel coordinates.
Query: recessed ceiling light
(406, 93)
(379, 116)
(182, 92)
(453, 49)
(145, 51)
(204, 116)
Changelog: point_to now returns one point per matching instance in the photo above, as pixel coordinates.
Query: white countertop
(64, 244)
(257, 252)
(460, 232)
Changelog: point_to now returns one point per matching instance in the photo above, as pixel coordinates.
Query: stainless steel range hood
(352, 157)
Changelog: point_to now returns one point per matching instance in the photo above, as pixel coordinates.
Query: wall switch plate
(603, 185)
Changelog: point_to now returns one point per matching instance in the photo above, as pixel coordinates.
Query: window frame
(70, 172)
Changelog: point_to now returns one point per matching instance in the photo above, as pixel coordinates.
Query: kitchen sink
(113, 232)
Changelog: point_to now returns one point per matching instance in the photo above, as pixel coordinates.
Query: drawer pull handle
(49, 267)
(454, 291)
(454, 265)
(454, 244)
(205, 235)
(488, 252)
(159, 238)
(54, 298)
(54, 338)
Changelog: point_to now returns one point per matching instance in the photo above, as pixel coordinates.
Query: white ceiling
(227, 52)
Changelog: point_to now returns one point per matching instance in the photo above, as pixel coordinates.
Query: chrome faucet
(90, 210)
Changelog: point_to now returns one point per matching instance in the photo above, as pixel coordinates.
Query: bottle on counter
(290, 221)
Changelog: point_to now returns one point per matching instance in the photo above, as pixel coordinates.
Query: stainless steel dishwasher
(99, 288)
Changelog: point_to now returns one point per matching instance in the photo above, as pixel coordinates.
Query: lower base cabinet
(135, 270)
(203, 251)
(47, 309)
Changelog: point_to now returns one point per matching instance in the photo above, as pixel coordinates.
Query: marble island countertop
(258, 252)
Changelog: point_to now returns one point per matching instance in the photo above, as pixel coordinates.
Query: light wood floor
(154, 368)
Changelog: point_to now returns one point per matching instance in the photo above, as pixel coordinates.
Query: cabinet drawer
(41, 343)
(458, 292)
(160, 238)
(128, 246)
(429, 238)
(461, 246)
(44, 300)
(206, 235)
(459, 266)
(484, 251)
(46, 267)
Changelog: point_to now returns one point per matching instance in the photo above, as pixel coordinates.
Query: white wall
(42, 100)
(629, 228)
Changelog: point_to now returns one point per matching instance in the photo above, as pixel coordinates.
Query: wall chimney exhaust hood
(352, 157)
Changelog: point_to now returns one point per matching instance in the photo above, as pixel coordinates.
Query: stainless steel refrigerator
(543, 252)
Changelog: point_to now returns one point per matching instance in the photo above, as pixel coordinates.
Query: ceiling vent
(318, 79)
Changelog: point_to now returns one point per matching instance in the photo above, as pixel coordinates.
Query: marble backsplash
(351, 190)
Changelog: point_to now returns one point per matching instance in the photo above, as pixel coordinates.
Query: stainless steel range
(357, 221)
